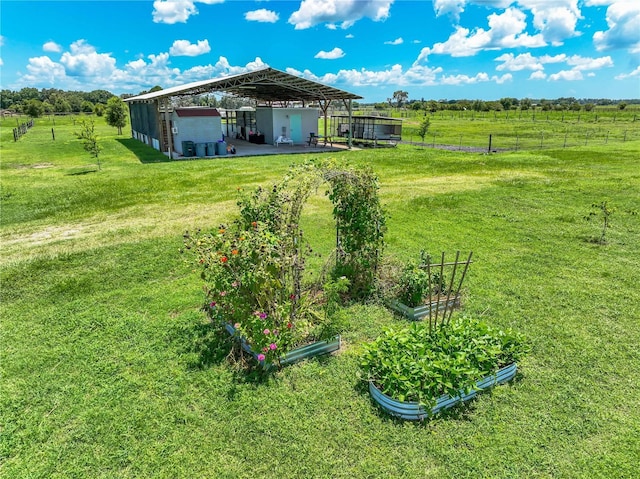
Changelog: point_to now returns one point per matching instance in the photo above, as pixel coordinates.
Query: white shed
(198, 125)
(294, 123)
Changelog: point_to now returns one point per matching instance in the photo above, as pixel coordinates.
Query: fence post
(517, 139)
(565, 139)
(541, 139)
(434, 141)
(53, 134)
(490, 138)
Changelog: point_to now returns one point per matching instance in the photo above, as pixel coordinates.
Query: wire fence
(493, 143)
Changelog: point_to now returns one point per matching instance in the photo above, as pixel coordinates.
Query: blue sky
(437, 49)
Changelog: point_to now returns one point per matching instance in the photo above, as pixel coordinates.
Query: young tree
(116, 113)
(424, 127)
(89, 139)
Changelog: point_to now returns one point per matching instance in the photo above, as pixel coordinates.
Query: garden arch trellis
(359, 216)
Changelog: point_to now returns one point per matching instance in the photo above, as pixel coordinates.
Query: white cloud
(263, 15)
(332, 55)
(176, 11)
(526, 61)
(538, 75)
(221, 68)
(84, 61)
(623, 20)
(349, 35)
(633, 74)
(481, 77)
(556, 20)
(397, 41)
(344, 12)
(52, 47)
(43, 70)
(505, 31)
(586, 63)
(566, 75)
(184, 48)
(396, 76)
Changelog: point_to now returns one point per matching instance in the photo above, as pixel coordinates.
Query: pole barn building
(282, 111)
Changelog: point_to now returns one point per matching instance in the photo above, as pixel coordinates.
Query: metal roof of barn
(267, 84)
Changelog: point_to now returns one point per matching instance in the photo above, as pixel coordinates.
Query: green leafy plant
(415, 283)
(360, 223)
(418, 364)
(601, 212)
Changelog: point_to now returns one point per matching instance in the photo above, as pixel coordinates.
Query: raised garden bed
(413, 411)
(316, 348)
(420, 312)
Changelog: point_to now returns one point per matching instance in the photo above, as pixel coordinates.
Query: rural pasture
(110, 370)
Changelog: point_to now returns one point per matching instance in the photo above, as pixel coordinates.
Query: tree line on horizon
(34, 102)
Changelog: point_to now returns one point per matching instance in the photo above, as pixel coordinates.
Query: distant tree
(34, 108)
(48, 107)
(60, 104)
(424, 127)
(525, 104)
(507, 103)
(432, 106)
(116, 113)
(89, 139)
(75, 101)
(622, 105)
(7, 98)
(400, 97)
(575, 106)
(477, 105)
(28, 93)
(98, 96)
(155, 88)
(98, 109)
(87, 107)
(589, 106)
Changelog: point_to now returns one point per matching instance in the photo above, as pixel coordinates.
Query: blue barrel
(211, 148)
(221, 148)
(201, 150)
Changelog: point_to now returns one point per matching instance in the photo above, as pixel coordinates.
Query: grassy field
(110, 371)
(517, 130)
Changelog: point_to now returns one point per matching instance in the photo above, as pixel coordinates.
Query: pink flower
(235, 284)
(260, 357)
(266, 331)
(263, 315)
(223, 293)
(272, 346)
(266, 349)
(237, 325)
(212, 304)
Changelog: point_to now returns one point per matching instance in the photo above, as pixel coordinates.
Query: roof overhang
(266, 85)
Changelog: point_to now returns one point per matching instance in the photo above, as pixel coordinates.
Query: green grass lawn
(109, 369)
